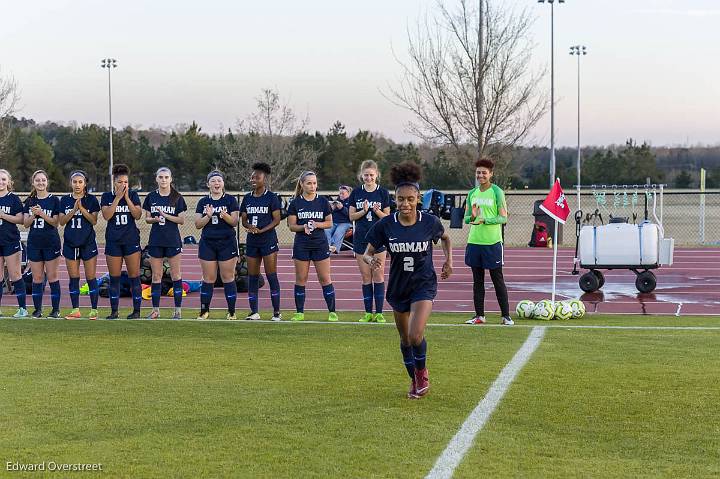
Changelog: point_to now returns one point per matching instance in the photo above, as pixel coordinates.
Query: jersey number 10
(121, 220)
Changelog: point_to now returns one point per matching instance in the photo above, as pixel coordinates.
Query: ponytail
(298, 186)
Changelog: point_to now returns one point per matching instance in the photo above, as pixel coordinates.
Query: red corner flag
(555, 204)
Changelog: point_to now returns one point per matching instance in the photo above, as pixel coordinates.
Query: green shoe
(332, 317)
(379, 318)
(21, 313)
(298, 317)
(367, 318)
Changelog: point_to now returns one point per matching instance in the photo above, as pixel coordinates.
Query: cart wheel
(589, 282)
(645, 282)
(600, 277)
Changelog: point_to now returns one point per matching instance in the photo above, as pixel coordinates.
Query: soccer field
(261, 399)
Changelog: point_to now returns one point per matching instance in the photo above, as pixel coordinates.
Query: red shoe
(412, 393)
(422, 384)
(476, 320)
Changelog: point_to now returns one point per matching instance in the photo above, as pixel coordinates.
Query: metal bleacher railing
(691, 217)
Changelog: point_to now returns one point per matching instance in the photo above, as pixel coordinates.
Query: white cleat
(507, 321)
(253, 317)
(276, 317)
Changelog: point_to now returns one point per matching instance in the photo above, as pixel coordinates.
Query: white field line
(390, 323)
(459, 445)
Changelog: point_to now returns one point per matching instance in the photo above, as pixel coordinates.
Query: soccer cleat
(276, 317)
(37, 313)
(54, 314)
(177, 314)
(204, 314)
(153, 315)
(422, 383)
(298, 317)
(252, 317)
(379, 318)
(368, 317)
(93, 314)
(21, 313)
(113, 315)
(507, 321)
(476, 320)
(333, 249)
(412, 392)
(332, 317)
(134, 315)
(231, 317)
(74, 314)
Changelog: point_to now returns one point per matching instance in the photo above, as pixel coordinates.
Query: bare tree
(9, 98)
(468, 78)
(268, 135)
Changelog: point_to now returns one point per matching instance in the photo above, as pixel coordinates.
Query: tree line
(336, 156)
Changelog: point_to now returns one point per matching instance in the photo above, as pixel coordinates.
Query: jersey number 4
(409, 263)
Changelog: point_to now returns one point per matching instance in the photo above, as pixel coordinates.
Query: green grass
(251, 399)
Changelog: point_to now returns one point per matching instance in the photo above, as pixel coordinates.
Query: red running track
(690, 286)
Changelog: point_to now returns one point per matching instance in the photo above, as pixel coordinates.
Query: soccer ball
(544, 310)
(563, 310)
(524, 309)
(578, 308)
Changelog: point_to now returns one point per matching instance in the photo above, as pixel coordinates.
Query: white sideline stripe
(390, 323)
(459, 445)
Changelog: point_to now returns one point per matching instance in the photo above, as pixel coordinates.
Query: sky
(651, 72)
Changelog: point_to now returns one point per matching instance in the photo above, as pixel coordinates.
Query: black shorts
(83, 253)
(10, 249)
(402, 304)
(42, 254)
(359, 246)
(120, 250)
(260, 251)
(484, 256)
(163, 251)
(221, 249)
(302, 254)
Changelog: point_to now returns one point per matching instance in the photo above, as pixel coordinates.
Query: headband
(78, 173)
(408, 183)
(163, 168)
(215, 173)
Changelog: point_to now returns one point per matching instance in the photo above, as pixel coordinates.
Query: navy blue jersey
(10, 204)
(79, 231)
(342, 215)
(410, 249)
(259, 211)
(166, 233)
(218, 228)
(121, 228)
(42, 234)
(379, 197)
(316, 210)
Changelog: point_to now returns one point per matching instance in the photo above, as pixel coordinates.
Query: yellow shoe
(333, 317)
(298, 317)
(204, 314)
(367, 318)
(379, 318)
(231, 317)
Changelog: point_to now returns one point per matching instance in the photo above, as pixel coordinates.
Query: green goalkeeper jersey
(488, 204)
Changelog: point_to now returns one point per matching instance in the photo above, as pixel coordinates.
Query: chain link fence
(691, 217)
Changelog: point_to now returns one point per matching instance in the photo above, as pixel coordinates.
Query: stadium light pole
(579, 51)
(110, 63)
(552, 86)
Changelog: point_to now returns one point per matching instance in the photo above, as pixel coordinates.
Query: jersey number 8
(409, 263)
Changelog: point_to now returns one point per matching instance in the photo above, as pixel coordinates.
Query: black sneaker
(113, 315)
(37, 313)
(54, 314)
(134, 315)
